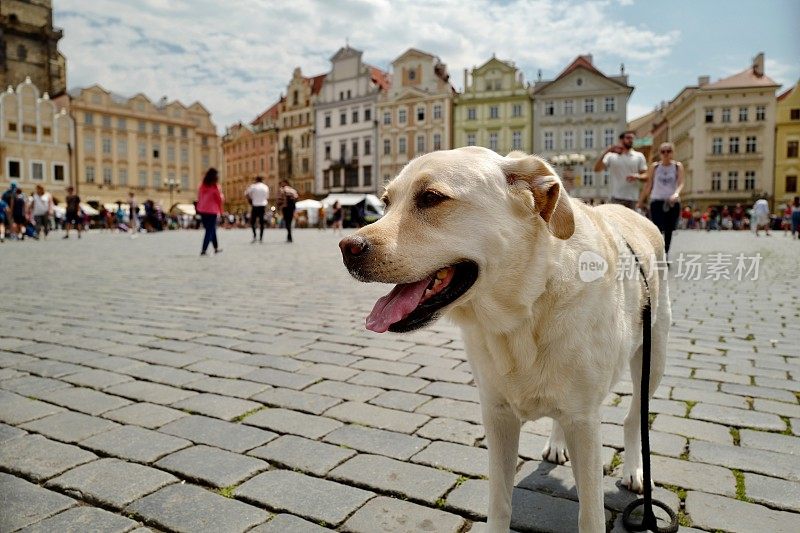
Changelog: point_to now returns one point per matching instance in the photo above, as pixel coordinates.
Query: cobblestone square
(142, 386)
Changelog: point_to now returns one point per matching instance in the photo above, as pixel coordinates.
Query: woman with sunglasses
(663, 186)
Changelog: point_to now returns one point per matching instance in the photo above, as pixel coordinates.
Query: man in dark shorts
(19, 214)
(73, 214)
(287, 198)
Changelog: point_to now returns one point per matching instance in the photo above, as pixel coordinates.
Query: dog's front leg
(584, 445)
(502, 438)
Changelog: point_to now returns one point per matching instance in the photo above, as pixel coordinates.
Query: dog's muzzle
(354, 248)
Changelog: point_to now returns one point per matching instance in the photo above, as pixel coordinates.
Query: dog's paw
(555, 453)
(633, 479)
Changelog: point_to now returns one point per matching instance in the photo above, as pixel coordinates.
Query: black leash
(649, 521)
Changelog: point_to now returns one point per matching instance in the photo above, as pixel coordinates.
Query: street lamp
(172, 183)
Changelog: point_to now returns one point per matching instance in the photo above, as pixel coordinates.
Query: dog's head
(456, 223)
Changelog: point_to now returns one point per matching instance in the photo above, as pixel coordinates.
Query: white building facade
(346, 127)
(576, 116)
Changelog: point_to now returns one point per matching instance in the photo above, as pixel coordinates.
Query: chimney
(703, 80)
(758, 64)
(466, 77)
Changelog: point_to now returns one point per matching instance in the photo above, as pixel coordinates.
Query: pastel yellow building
(36, 136)
(787, 145)
(415, 113)
(159, 151)
(495, 109)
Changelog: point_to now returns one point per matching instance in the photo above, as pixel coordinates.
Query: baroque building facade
(29, 46)
(580, 112)
(787, 145)
(36, 140)
(346, 129)
(415, 115)
(158, 150)
(724, 133)
(495, 109)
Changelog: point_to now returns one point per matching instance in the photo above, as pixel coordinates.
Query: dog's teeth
(441, 274)
(437, 282)
(428, 293)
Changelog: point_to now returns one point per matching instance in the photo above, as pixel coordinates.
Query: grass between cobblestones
(689, 406)
(684, 519)
(741, 493)
(736, 437)
(227, 491)
(616, 460)
(788, 430)
(248, 413)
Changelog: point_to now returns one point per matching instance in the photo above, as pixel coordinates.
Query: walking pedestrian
(796, 217)
(286, 199)
(3, 219)
(19, 214)
(626, 167)
(42, 209)
(338, 217)
(664, 184)
(73, 213)
(786, 222)
(760, 216)
(133, 215)
(257, 195)
(209, 207)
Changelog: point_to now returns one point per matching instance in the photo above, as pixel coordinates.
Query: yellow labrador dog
(496, 244)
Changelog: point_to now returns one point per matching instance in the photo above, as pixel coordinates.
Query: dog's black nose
(353, 246)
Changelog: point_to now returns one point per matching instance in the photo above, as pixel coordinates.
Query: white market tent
(311, 207)
(184, 209)
(89, 210)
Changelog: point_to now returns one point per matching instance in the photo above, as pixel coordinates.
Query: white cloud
(236, 58)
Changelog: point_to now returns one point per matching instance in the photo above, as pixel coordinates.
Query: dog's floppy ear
(549, 196)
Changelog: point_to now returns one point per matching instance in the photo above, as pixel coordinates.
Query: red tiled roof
(745, 78)
(380, 78)
(579, 62)
(271, 112)
(786, 93)
(316, 83)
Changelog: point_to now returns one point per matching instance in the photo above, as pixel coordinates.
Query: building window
(549, 108)
(89, 174)
(107, 121)
(750, 145)
(12, 126)
(726, 114)
(569, 140)
(794, 114)
(304, 166)
(437, 141)
(122, 124)
(88, 144)
(367, 114)
(355, 148)
(88, 118)
(588, 139)
(387, 147)
(122, 148)
(750, 180)
(611, 104)
(142, 151)
(184, 181)
(327, 120)
(494, 111)
(548, 141)
(142, 178)
(156, 178)
(516, 140)
(472, 113)
(170, 153)
(401, 116)
(355, 117)
(107, 176)
(588, 105)
(367, 146)
(493, 141)
(367, 175)
(588, 178)
(791, 183)
(742, 114)
(22, 52)
(387, 118)
(608, 137)
(516, 110)
(569, 107)
(106, 145)
(156, 151)
(142, 126)
(733, 180)
(420, 144)
(716, 145)
(733, 145)
(58, 172)
(342, 150)
(471, 139)
(401, 145)
(37, 170)
(437, 111)
(792, 148)
(123, 176)
(605, 178)
(716, 181)
(709, 116)
(185, 157)
(327, 151)
(342, 118)
(420, 114)
(184, 133)
(412, 75)
(156, 129)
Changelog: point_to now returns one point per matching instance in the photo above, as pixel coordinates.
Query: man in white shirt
(626, 168)
(41, 209)
(257, 194)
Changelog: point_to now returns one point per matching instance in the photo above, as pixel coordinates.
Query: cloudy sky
(236, 57)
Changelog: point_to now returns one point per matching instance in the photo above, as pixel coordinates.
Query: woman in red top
(209, 206)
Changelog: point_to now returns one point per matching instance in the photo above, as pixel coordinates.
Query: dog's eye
(430, 199)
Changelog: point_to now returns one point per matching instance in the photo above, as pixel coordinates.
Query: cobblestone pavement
(144, 386)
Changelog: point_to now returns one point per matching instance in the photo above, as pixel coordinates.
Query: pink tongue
(396, 305)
